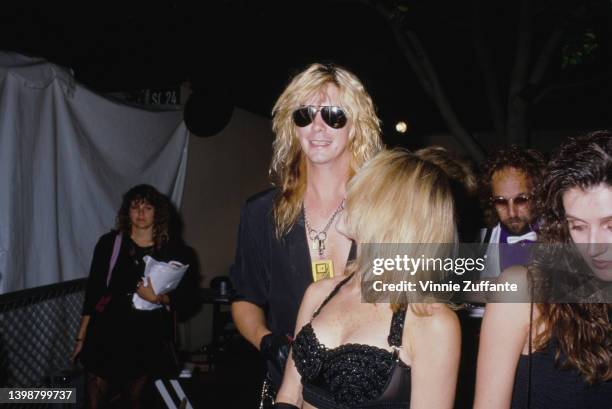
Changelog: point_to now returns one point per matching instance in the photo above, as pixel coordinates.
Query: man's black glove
(275, 348)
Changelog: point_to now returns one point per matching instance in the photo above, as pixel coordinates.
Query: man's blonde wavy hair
(288, 168)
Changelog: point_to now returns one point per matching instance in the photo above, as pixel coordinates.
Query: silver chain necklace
(318, 237)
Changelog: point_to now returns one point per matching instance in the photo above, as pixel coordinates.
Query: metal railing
(37, 330)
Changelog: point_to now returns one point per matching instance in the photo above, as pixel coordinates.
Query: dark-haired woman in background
(117, 343)
(558, 355)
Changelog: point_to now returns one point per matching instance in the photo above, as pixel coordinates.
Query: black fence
(37, 331)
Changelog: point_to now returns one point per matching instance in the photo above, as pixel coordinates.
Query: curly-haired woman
(117, 343)
(558, 355)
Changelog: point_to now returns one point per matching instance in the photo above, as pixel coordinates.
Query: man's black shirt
(269, 272)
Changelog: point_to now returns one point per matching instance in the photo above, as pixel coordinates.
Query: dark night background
(245, 51)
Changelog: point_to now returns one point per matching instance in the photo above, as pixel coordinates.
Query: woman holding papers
(117, 342)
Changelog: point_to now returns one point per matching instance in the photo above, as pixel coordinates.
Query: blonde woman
(353, 354)
(326, 129)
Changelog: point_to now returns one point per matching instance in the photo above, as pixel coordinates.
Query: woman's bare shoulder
(518, 278)
(319, 290)
(434, 334)
(517, 274)
(435, 319)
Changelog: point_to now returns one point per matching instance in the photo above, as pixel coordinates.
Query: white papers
(165, 277)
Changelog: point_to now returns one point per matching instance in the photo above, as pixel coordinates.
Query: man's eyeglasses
(333, 116)
(521, 200)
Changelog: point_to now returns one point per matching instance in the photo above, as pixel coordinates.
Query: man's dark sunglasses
(520, 200)
(333, 116)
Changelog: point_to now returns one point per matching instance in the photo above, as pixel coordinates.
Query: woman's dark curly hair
(582, 329)
(530, 161)
(161, 204)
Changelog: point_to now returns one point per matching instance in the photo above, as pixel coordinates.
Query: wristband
(80, 339)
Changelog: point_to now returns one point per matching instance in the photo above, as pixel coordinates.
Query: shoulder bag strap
(529, 359)
(113, 259)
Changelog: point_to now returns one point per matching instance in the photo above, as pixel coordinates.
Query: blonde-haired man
(326, 128)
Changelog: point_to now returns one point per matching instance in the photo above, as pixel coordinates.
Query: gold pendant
(322, 269)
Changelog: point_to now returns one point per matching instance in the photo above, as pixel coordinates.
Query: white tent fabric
(66, 157)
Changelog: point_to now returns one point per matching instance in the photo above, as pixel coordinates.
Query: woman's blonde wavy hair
(288, 169)
(397, 199)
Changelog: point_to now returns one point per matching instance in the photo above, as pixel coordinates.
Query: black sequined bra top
(352, 375)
